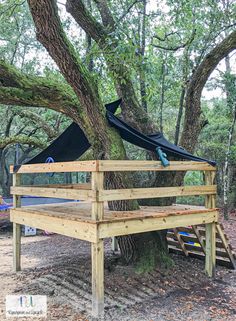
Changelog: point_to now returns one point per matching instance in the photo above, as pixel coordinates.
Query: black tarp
(72, 143)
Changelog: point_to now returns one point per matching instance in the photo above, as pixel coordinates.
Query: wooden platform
(90, 220)
(74, 219)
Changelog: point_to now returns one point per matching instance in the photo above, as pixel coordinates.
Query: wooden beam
(226, 245)
(97, 253)
(141, 225)
(114, 244)
(16, 247)
(210, 200)
(16, 228)
(65, 193)
(199, 238)
(97, 182)
(86, 186)
(158, 192)
(178, 237)
(210, 260)
(82, 166)
(16, 181)
(74, 228)
(140, 165)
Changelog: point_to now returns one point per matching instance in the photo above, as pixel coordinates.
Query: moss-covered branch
(22, 140)
(39, 121)
(17, 88)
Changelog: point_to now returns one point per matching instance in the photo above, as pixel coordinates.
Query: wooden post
(210, 262)
(114, 244)
(16, 228)
(97, 278)
(97, 183)
(210, 202)
(97, 251)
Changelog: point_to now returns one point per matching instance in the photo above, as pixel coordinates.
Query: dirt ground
(59, 267)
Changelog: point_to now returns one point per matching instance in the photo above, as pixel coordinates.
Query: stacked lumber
(191, 242)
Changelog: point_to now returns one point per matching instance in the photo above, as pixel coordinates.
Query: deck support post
(210, 262)
(16, 228)
(97, 278)
(114, 244)
(210, 202)
(97, 250)
(16, 247)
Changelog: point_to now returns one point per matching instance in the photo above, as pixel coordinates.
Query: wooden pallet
(191, 241)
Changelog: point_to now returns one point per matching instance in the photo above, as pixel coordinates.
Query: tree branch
(175, 48)
(22, 140)
(107, 18)
(38, 120)
(50, 33)
(128, 9)
(192, 120)
(20, 89)
(133, 111)
(86, 21)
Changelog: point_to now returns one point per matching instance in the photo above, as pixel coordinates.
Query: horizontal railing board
(141, 193)
(86, 186)
(140, 165)
(112, 165)
(65, 193)
(83, 166)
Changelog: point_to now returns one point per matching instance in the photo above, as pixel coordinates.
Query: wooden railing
(95, 191)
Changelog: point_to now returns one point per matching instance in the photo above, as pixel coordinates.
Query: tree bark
(105, 141)
(193, 119)
(131, 109)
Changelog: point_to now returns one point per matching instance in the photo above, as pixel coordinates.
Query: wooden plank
(178, 237)
(114, 244)
(82, 166)
(16, 247)
(191, 247)
(16, 181)
(140, 225)
(86, 186)
(16, 228)
(193, 238)
(138, 193)
(64, 193)
(140, 165)
(210, 260)
(220, 260)
(226, 245)
(199, 238)
(97, 182)
(210, 200)
(97, 253)
(78, 229)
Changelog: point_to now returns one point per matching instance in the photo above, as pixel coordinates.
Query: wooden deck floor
(81, 211)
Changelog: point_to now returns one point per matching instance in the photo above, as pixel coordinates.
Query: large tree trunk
(105, 141)
(194, 120)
